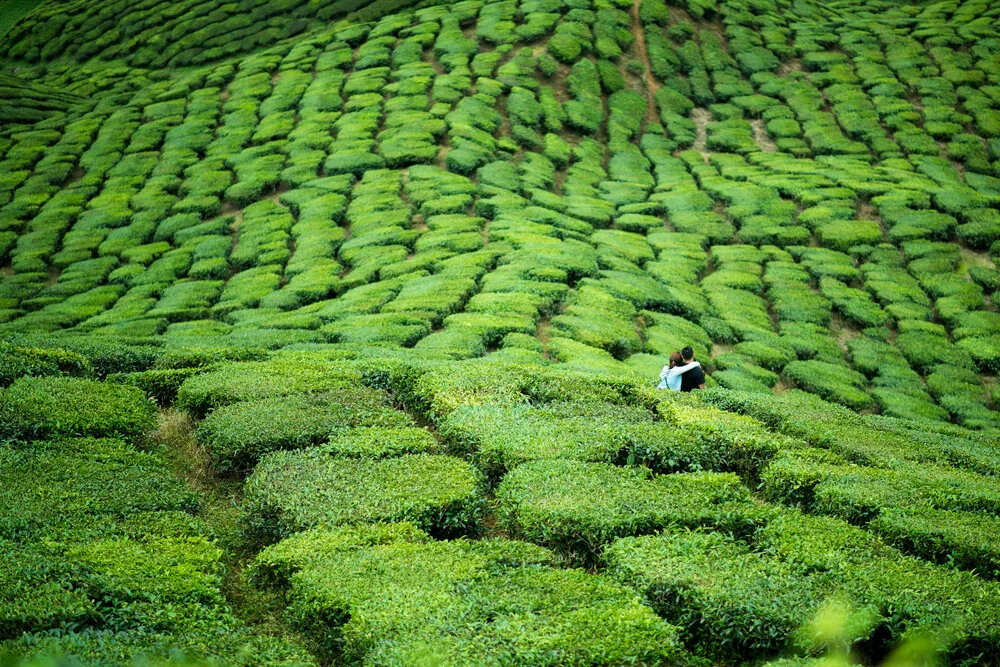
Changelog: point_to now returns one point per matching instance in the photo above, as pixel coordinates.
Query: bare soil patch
(762, 138)
(701, 117)
(652, 85)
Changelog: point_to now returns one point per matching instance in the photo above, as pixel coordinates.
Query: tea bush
(539, 613)
(19, 361)
(43, 407)
(833, 382)
(257, 211)
(576, 508)
(713, 587)
(293, 491)
(379, 442)
(249, 381)
(106, 561)
(858, 494)
(501, 437)
(962, 539)
(239, 434)
(99, 481)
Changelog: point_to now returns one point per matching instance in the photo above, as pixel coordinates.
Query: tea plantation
(330, 332)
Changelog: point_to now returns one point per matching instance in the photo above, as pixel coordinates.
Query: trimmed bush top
(292, 491)
(386, 593)
(241, 433)
(394, 256)
(501, 438)
(230, 383)
(577, 508)
(41, 407)
(84, 487)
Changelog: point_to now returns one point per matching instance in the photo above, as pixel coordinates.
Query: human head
(687, 353)
(675, 359)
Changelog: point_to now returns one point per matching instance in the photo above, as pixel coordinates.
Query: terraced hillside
(329, 331)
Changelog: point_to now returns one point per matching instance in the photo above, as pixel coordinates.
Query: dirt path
(762, 138)
(652, 85)
(701, 118)
(789, 66)
(868, 212)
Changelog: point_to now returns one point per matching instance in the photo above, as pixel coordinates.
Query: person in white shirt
(670, 376)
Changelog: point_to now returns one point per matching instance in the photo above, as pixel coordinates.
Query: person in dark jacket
(694, 378)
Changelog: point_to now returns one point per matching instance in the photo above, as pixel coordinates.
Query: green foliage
(292, 491)
(257, 211)
(160, 384)
(703, 438)
(716, 587)
(239, 434)
(859, 494)
(516, 603)
(42, 407)
(576, 508)
(961, 539)
(18, 361)
(380, 442)
(81, 487)
(601, 320)
(250, 381)
(855, 304)
(103, 562)
(831, 381)
(502, 437)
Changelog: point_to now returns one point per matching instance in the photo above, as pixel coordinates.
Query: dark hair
(687, 353)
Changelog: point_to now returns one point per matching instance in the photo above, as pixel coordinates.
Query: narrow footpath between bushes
(652, 85)
(220, 509)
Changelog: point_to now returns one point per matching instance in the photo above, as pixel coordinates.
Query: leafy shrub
(158, 383)
(859, 494)
(962, 539)
(855, 304)
(715, 587)
(576, 508)
(924, 349)
(33, 598)
(239, 434)
(398, 328)
(833, 382)
(502, 437)
(844, 234)
(510, 597)
(83, 487)
(380, 442)
(47, 406)
(17, 361)
(490, 328)
(250, 381)
(693, 438)
(569, 41)
(104, 355)
(902, 593)
(601, 320)
(292, 491)
(984, 351)
(771, 358)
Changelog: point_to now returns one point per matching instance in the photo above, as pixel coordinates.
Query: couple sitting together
(683, 373)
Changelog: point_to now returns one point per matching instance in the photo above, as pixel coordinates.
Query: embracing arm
(679, 370)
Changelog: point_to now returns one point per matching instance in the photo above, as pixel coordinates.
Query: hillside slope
(329, 331)
(811, 191)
